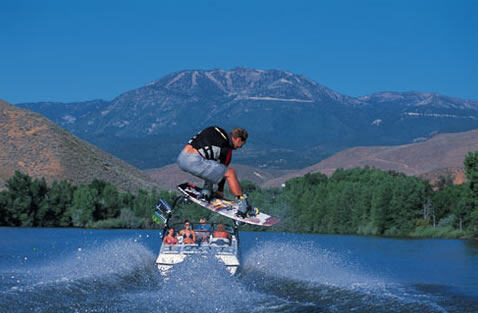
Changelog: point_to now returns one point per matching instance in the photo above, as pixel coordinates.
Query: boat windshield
(196, 226)
(208, 236)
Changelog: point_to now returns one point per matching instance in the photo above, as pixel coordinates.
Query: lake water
(82, 270)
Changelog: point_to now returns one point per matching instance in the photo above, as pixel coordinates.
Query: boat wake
(88, 277)
(276, 276)
(314, 279)
(201, 284)
(120, 276)
(305, 262)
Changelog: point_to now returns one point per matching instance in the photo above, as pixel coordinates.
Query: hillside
(441, 155)
(168, 177)
(455, 174)
(32, 144)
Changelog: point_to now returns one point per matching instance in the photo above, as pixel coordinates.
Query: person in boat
(208, 155)
(221, 232)
(170, 238)
(189, 236)
(203, 230)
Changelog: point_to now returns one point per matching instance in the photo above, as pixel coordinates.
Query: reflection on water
(471, 247)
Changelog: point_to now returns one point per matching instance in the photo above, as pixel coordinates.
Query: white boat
(224, 249)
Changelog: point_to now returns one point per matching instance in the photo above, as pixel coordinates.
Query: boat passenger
(203, 230)
(221, 232)
(189, 236)
(170, 238)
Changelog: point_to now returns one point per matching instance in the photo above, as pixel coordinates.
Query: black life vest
(213, 143)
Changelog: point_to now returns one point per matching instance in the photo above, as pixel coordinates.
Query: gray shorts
(198, 166)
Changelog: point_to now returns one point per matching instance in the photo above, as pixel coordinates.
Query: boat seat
(219, 242)
(201, 236)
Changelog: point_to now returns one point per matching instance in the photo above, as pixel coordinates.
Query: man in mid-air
(208, 155)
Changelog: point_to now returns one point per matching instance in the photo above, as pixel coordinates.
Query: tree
(83, 206)
(59, 200)
(380, 208)
(444, 181)
(450, 201)
(20, 200)
(141, 204)
(4, 212)
(39, 194)
(249, 187)
(471, 172)
(110, 201)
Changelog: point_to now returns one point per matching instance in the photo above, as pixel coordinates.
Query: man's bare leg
(233, 182)
(235, 187)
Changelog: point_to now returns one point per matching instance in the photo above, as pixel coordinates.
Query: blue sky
(81, 50)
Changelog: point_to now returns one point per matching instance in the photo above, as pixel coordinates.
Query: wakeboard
(227, 208)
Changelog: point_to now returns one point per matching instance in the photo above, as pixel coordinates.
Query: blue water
(77, 270)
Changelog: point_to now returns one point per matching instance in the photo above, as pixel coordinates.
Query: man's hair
(239, 132)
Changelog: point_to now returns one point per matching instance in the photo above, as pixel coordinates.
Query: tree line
(363, 201)
(31, 202)
(367, 201)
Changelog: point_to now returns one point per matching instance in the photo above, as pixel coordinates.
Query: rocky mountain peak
(417, 99)
(246, 84)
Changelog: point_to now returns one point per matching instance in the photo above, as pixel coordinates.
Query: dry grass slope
(170, 176)
(38, 147)
(428, 159)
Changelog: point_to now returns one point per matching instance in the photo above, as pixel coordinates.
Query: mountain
(293, 121)
(441, 155)
(32, 144)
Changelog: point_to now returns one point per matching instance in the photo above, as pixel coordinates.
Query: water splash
(202, 283)
(318, 279)
(89, 277)
(118, 258)
(303, 261)
(277, 276)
